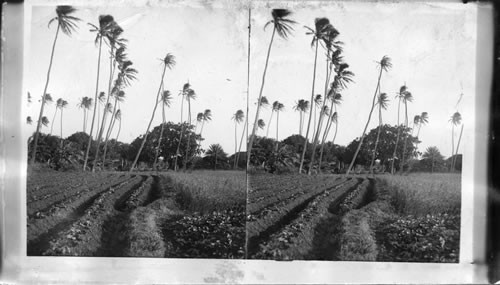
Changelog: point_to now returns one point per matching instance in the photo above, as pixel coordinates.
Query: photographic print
(135, 118)
(357, 131)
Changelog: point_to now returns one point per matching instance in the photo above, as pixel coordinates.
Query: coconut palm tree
(207, 116)
(456, 119)
(105, 25)
(166, 101)
(302, 106)
(322, 25)
(279, 108)
(382, 103)
(275, 105)
(62, 106)
(407, 97)
(167, 61)
(45, 121)
(215, 151)
(283, 27)
(191, 95)
(402, 91)
(67, 24)
(118, 116)
(119, 97)
(85, 104)
(384, 65)
(423, 120)
(183, 93)
(237, 118)
(241, 140)
(58, 106)
(261, 124)
(29, 121)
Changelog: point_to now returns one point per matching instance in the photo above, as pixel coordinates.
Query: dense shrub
(432, 238)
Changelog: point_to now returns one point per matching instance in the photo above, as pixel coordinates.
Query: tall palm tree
(183, 93)
(275, 105)
(384, 65)
(283, 27)
(29, 120)
(58, 106)
(400, 96)
(166, 101)
(382, 103)
(302, 106)
(45, 121)
(105, 24)
(167, 61)
(237, 118)
(207, 116)
(406, 98)
(261, 124)
(119, 97)
(423, 120)
(67, 24)
(456, 119)
(85, 104)
(62, 106)
(190, 96)
(241, 140)
(114, 42)
(318, 100)
(279, 108)
(322, 25)
(118, 116)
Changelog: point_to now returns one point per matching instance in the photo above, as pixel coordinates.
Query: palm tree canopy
(282, 25)
(334, 117)
(318, 100)
(169, 61)
(166, 98)
(118, 115)
(281, 106)
(215, 150)
(416, 120)
(191, 94)
(456, 119)
(48, 98)
(59, 102)
(66, 22)
(109, 108)
(106, 25)
(64, 104)
(424, 118)
(45, 121)
(261, 124)
(385, 63)
(102, 97)
(207, 115)
(322, 28)
(325, 110)
(432, 152)
(238, 116)
(302, 105)
(29, 120)
(383, 101)
(263, 101)
(120, 96)
(199, 117)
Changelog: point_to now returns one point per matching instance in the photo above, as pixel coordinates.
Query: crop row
(41, 208)
(44, 221)
(139, 195)
(356, 197)
(84, 236)
(295, 240)
(274, 216)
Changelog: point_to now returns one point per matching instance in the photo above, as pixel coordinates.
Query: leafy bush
(432, 238)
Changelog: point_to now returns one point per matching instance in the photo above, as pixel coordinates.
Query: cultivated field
(140, 214)
(330, 217)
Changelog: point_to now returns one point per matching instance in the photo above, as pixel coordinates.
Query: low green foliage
(432, 238)
(217, 235)
(358, 240)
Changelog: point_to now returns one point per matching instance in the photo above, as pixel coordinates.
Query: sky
(432, 47)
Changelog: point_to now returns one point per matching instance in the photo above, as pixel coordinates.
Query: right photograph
(358, 118)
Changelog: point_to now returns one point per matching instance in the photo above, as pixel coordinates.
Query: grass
(207, 191)
(425, 193)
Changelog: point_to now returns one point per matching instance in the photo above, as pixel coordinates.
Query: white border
(17, 267)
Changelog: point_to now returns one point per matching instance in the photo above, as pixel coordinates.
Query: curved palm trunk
(84, 126)
(328, 76)
(39, 123)
(161, 135)
(254, 128)
(96, 106)
(189, 135)
(119, 129)
(378, 137)
(53, 119)
(235, 142)
(241, 140)
(366, 126)
(150, 121)
(277, 128)
(397, 140)
(177, 152)
(406, 139)
(112, 66)
(458, 145)
(452, 146)
(86, 120)
(110, 128)
(61, 126)
(269, 123)
(329, 123)
(300, 123)
(310, 110)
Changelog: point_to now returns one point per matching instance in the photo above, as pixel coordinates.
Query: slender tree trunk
(61, 125)
(458, 145)
(254, 128)
(177, 152)
(39, 123)
(119, 129)
(189, 135)
(277, 128)
(452, 146)
(105, 114)
(378, 137)
(367, 123)
(235, 142)
(84, 129)
(110, 128)
(300, 123)
(325, 135)
(310, 110)
(269, 123)
(150, 121)
(241, 140)
(406, 139)
(161, 135)
(86, 120)
(96, 106)
(53, 119)
(397, 140)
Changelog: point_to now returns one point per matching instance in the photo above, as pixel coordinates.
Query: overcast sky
(432, 47)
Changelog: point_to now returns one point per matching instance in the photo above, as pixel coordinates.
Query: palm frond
(169, 60)
(282, 25)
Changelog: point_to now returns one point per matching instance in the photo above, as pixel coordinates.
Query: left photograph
(136, 125)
